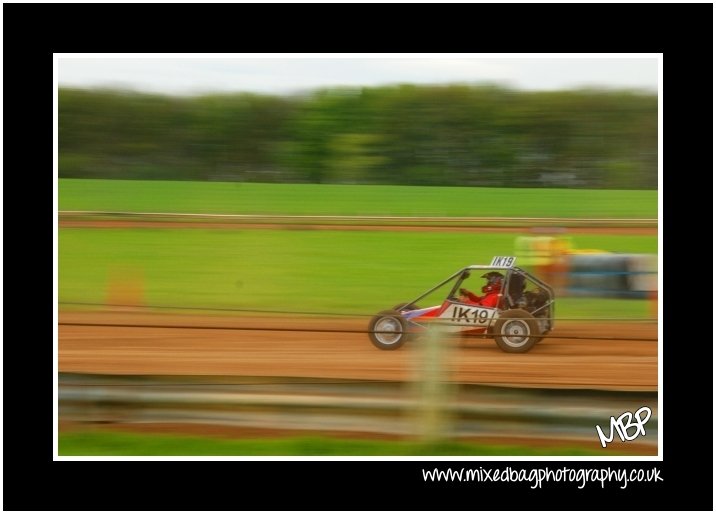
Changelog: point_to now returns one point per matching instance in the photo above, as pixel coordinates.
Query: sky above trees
(189, 74)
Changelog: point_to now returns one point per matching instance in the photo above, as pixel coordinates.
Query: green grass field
(94, 443)
(323, 199)
(347, 272)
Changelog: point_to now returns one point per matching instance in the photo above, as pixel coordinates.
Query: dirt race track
(270, 346)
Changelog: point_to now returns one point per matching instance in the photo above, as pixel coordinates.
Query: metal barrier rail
(378, 407)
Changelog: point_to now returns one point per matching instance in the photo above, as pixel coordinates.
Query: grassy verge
(322, 199)
(95, 443)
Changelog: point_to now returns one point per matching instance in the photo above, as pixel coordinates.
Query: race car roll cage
(512, 298)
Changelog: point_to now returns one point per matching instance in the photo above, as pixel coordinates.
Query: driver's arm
(470, 295)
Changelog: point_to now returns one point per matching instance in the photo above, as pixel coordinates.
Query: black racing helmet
(494, 281)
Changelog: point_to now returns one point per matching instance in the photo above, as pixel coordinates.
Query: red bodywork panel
(432, 313)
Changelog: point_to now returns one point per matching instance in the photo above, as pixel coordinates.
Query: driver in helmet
(491, 291)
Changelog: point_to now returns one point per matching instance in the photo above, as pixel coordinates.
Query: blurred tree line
(417, 135)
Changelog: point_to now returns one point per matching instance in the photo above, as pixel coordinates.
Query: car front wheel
(387, 330)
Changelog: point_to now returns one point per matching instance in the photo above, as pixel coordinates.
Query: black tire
(542, 334)
(516, 331)
(388, 330)
(406, 307)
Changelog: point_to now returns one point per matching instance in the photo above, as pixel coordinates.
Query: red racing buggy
(517, 309)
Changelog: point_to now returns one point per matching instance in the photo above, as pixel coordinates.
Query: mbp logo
(622, 425)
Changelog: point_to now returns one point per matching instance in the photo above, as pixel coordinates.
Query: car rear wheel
(387, 330)
(516, 331)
